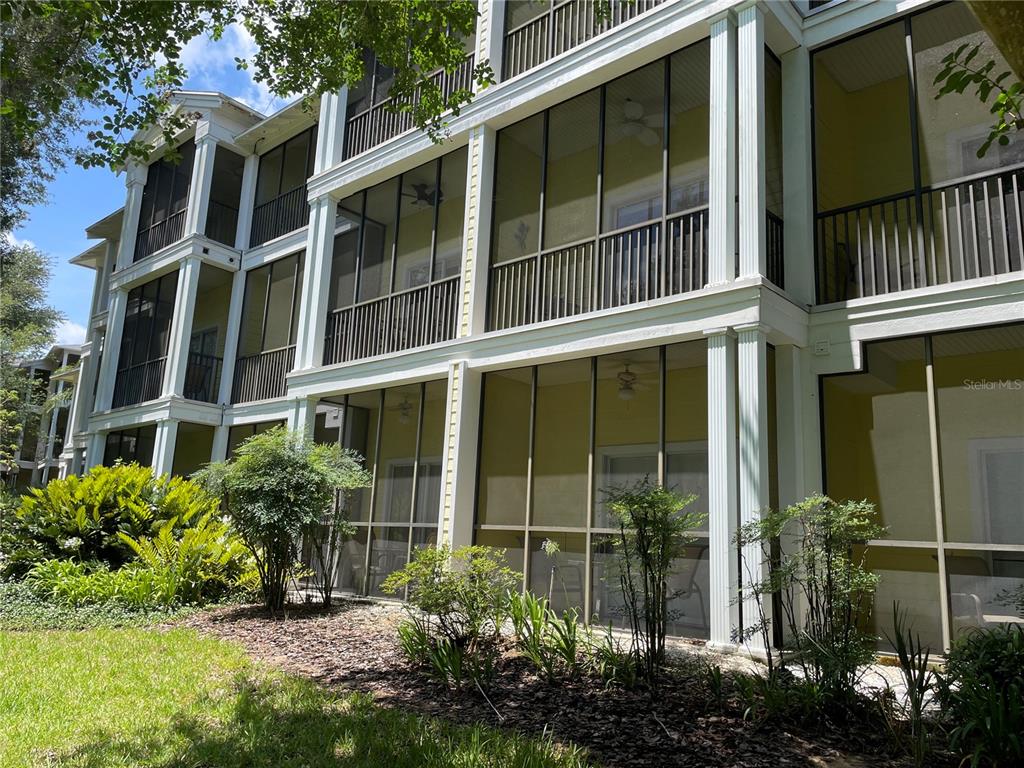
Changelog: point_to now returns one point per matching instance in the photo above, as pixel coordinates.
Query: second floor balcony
(903, 199)
(142, 357)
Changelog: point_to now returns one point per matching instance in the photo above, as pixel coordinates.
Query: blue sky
(78, 197)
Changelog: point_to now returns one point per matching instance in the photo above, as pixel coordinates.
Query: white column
(111, 349)
(181, 326)
(302, 415)
(722, 157)
(163, 448)
(221, 435)
(316, 279)
(752, 375)
(458, 472)
(722, 485)
(477, 235)
(95, 445)
(490, 35)
(330, 141)
(135, 183)
(246, 201)
(753, 226)
(202, 181)
(234, 329)
(797, 176)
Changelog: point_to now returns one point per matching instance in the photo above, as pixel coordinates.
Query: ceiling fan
(423, 196)
(628, 383)
(635, 122)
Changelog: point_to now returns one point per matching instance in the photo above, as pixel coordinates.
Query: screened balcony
(281, 205)
(903, 201)
(206, 340)
(266, 346)
(371, 117)
(143, 353)
(164, 202)
(537, 30)
(225, 196)
(396, 263)
(603, 200)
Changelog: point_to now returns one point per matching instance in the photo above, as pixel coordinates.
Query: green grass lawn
(145, 697)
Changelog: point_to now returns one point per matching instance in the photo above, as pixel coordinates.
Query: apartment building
(735, 246)
(43, 449)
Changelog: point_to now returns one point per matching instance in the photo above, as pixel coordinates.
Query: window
(144, 338)
(637, 413)
(130, 445)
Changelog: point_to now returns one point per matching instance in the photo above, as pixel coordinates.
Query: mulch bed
(354, 647)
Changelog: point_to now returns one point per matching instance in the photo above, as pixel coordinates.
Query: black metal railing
(221, 223)
(202, 377)
(416, 317)
(382, 122)
(284, 214)
(139, 383)
(775, 265)
(959, 230)
(159, 235)
(648, 261)
(562, 28)
(262, 376)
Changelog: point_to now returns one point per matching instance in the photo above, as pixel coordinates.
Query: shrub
(277, 485)
(551, 642)
(654, 527)
(982, 695)
(822, 587)
(21, 608)
(73, 584)
(80, 518)
(461, 599)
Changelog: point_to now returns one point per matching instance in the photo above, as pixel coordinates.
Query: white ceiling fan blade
(648, 137)
(631, 128)
(653, 121)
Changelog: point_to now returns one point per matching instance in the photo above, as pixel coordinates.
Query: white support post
(111, 349)
(751, 120)
(477, 234)
(330, 143)
(202, 182)
(302, 416)
(316, 279)
(163, 448)
(722, 169)
(722, 470)
(181, 326)
(490, 35)
(752, 375)
(458, 473)
(95, 445)
(234, 330)
(135, 183)
(221, 435)
(246, 201)
(797, 176)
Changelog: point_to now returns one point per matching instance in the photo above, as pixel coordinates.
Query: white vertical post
(752, 375)
(202, 182)
(723, 565)
(722, 169)
(221, 435)
(490, 35)
(102, 297)
(797, 176)
(458, 471)
(181, 326)
(316, 279)
(751, 119)
(135, 183)
(163, 448)
(330, 141)
(246, 201)
(111, 349)
(302, 416)
(477, 235)
(789, 388)
(234, 330)
(95, 445)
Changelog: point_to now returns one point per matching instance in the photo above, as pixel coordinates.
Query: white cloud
(18, 242)
(70, 332)
(211, 66)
